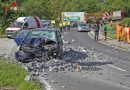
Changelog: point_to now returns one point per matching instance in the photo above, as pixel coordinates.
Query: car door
(20, 36)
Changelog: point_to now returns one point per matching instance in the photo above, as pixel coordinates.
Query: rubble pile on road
(72, 59)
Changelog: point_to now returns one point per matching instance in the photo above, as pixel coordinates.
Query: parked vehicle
(83, 27)
(45, 23)
(38, 44)
(23, 22)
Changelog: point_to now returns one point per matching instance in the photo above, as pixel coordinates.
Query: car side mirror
(25, 25)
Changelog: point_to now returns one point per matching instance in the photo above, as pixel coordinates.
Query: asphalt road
(114, 76)
(83, 39)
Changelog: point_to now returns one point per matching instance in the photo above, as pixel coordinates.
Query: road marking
(46, 84)
(117, 68)
(90, 35)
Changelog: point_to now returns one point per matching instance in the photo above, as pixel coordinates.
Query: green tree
(91, 6)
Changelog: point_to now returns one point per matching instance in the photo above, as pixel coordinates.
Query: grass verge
(12, 76)
(2, 36)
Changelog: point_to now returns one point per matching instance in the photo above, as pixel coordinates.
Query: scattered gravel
(73, 59)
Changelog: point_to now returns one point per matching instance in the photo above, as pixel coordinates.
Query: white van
(23, 22)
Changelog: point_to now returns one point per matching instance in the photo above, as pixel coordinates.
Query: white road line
(117, 68)
(90, 35)
(47, 85)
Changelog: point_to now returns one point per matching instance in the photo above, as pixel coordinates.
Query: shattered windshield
(43, 34)
(17, 24)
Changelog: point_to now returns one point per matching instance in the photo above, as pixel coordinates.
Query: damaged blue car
(38, 44)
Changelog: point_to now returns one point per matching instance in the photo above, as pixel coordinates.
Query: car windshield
(46, 34)
(17, 24)
(44, 25)
(83, 25)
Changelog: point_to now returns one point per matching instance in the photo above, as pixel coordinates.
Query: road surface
(115, 76)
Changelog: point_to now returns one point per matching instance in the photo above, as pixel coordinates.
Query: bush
(125, 21)
(111, 31)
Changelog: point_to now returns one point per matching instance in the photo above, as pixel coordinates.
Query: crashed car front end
(39, 46)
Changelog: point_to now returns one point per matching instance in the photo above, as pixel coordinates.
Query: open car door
(20, 36)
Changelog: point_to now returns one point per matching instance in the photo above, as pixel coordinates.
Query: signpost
(14, 5)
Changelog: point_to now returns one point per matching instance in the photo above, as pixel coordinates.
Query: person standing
(64, 26)
(60, 26)
(97, 30)
(126, 33)
(68, 25)
(118, 32)
(105, 31)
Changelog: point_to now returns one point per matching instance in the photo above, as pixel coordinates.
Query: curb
(47, 86)
(106, 43)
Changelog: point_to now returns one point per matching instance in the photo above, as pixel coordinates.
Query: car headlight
(79, 28)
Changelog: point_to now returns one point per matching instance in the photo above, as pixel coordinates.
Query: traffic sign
(13, 4)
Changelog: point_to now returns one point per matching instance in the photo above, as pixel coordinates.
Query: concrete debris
(77, 81)
(28, 78)
(84, 76)
(127, 75)
(100, 73)
(66, 42)
(52, 81)
(73, 40)
(71, 59)
(63, 41)
(65, 33)
(121, 83)
(64, 86)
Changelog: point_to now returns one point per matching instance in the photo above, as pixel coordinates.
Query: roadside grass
(12, 76)
(111, 34)
(2, 36)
